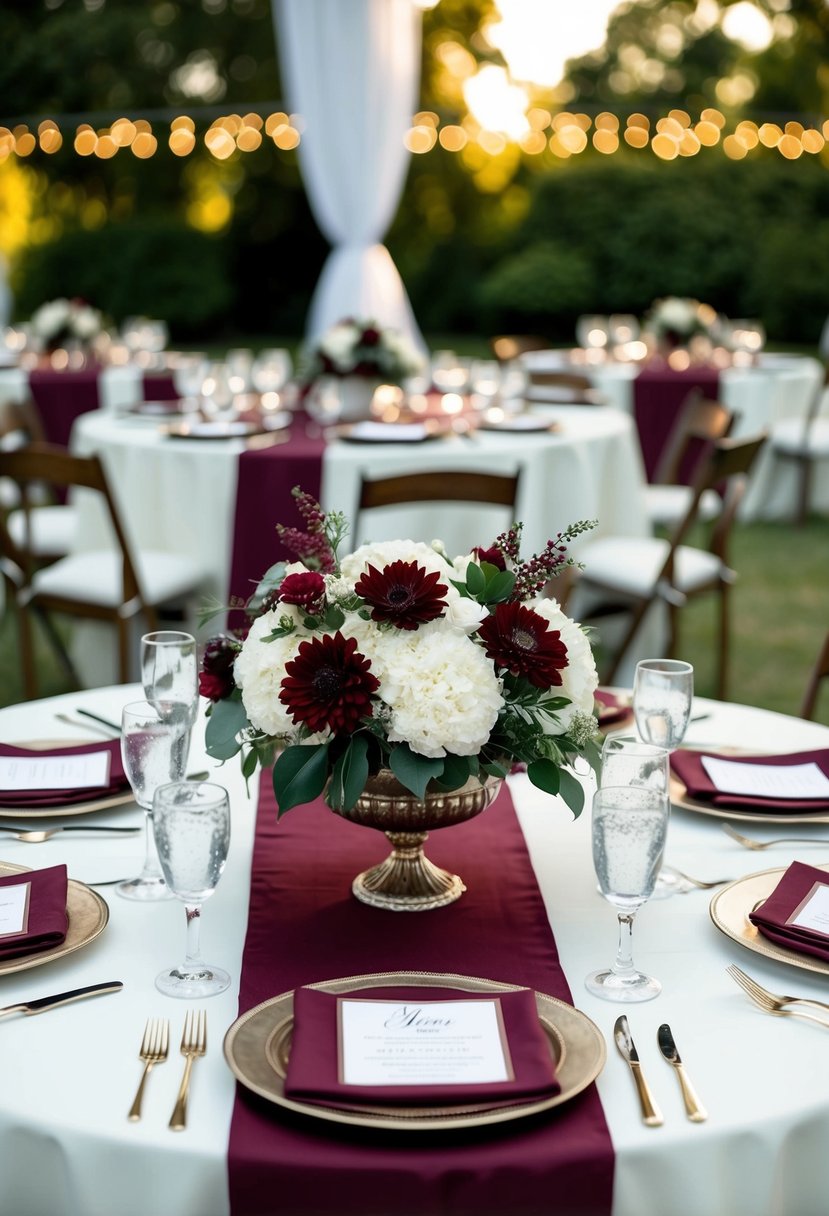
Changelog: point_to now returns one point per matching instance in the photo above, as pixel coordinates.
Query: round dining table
(774, 388)
(69, 1075)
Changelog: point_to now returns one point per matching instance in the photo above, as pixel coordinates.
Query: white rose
(465, 615)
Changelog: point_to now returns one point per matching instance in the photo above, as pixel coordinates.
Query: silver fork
(38, 835)
(696, 882)
(773, 1002)
(193, 1043)
(748, 842)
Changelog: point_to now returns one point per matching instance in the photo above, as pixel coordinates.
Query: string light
(674, 134)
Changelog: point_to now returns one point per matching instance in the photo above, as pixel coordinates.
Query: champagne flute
(663, 690)
(191, 824)
(627, 760)
(170, 671)
(630, 824)
(154, 747)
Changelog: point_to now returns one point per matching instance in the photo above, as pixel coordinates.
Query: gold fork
(193, 1043)
(700, 883)
(38, 835)
(748, 842)
(154, 1047)
(773, 1002)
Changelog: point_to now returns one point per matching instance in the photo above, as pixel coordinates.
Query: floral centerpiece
(62, 321)
(675, 320)
(399, 659)
(362, 348)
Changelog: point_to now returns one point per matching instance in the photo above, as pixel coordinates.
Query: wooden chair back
(700, 421)
(820, 672)
(569, 380)
(444, 486)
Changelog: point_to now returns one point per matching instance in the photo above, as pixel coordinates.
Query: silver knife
(694, 1109)
(61, 998)
(651, 1114)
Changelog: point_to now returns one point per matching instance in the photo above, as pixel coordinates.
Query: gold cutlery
(694, 1109)
(38, 835)
(773, 1002)
(193, 1044)
(748, 842)
(651, 1114)
(696, 882)
(42, 1003)
(154, 1048)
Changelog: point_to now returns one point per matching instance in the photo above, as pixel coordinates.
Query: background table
(778, 387)
(69, 1076)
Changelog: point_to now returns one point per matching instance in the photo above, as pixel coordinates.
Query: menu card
(767, 780)
(35, 772)
(422, 1042)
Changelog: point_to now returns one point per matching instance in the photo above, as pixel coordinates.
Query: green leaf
(495, 768)
(572, 791)
(227, 718)
(455, 772)
(299, 775)
(475, 579)
(500, 587)
(334, 617)
(350, 773)
(460, 588)
(249, 764)
(545, 775)
(413, 770)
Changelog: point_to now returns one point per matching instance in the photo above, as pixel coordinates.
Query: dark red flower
(216, 677)
(493, 555)
(370, 336)
(306, 590)
(403, 593)
(520, 640)
(329, 683)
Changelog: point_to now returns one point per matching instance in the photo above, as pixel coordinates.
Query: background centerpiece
(404, 684)
(349, 363)
(65, 323)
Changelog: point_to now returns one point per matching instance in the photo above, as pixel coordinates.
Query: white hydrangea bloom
(259, 670)
(579, 678)
(338, 344)
(382, 553)
(442, 690)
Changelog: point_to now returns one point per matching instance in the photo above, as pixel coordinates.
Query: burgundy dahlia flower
(403, 593)
(305, 590)
(521, 641)
(329, 684)
(216, 676)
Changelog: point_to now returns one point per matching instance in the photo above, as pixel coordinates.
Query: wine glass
(154, 747)
(170, 671)
(271, 370)
(191, 824)
(663, 690)
(629, 827)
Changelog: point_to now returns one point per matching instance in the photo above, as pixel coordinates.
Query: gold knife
(61, 998)
(651, 1114)
(694, 1109)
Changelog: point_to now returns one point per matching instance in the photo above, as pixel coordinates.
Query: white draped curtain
(351, 69)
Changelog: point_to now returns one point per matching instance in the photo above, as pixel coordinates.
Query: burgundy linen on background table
(305, 926)
(62, 396)
(658, 394)
(263, 499)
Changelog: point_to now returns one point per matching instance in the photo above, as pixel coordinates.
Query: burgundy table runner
(60, 397)
(263, 500)
(304, 925)
(160, 386)
(658, 394)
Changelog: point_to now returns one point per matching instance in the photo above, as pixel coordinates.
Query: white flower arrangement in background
(362, 348)
(679, 318)
(64, 320)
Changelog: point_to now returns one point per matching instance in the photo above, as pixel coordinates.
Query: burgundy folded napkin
(46, 919)
(313, 1073)
(687, 765)
(772, 917)
(612, 709)
(34, 798)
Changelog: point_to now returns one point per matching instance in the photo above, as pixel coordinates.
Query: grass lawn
(780, 616)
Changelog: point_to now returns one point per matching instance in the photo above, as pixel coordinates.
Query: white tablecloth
(780, 386)
(117, 386)
(66, 1147)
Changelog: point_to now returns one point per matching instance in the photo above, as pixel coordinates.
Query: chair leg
(27, 658)
(673, 631)
(636, 620)
(723, 650)
(124, 650)
(804, 496)
(56, 642)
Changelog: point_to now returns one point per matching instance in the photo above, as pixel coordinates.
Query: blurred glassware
(16, 339)
(239, 363)
(450, 372)
(218, 397)
(747, 338)
(323, 401)
(272, 369)
(592, 332)
(622, 329)
(189, 374)
(485, 381)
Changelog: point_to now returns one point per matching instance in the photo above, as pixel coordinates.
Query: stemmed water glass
(191, 824)
(170, 671)
(630, 824)
(154, 747)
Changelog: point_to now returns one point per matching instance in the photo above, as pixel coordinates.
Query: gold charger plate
(257, 1047)
(88, 915)
(679, 798)
(75, 808)
(730, 908)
